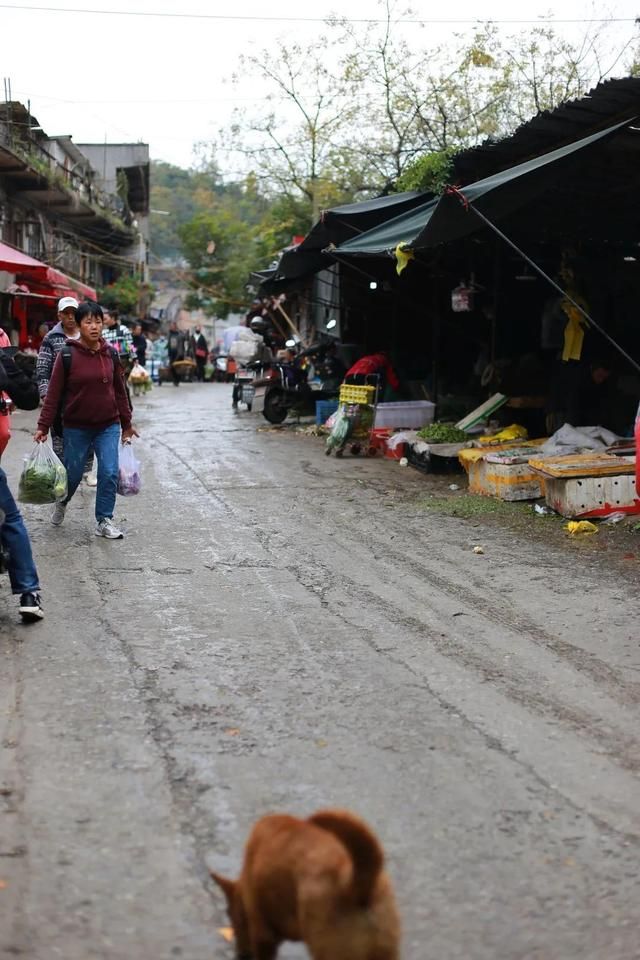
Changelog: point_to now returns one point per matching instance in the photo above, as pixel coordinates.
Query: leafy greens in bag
(43, 478)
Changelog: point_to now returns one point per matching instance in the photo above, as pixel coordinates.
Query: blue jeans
(77, 443)
(15, 539)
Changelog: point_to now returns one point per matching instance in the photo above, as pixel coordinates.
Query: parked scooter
(287, 385)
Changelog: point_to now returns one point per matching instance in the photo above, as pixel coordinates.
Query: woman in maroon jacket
(95, 408)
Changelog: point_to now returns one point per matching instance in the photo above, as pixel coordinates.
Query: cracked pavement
(284, 631)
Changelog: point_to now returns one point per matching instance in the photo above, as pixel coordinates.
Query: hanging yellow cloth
(574, 330)
(403, 255)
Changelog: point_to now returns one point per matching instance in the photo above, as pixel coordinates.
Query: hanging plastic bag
(43, 478)
(129, 481)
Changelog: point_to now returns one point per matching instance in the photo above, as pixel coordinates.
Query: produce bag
(129, 481)
(43, 478)
(343, 426)
(138, 374)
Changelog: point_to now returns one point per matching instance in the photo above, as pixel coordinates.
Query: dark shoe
(31, 607)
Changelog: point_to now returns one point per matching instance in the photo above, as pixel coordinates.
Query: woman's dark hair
(88, 309)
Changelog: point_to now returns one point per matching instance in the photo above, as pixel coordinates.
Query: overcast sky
(167, 81)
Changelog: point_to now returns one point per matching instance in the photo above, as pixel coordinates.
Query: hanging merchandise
(403, 255)
(462, 298)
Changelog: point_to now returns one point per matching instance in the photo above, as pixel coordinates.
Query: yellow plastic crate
(350, 393)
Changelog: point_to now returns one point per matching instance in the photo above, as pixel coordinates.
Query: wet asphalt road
(282, 631)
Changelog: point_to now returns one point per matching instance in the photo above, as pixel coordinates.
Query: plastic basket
(350, 393)
(324, 409)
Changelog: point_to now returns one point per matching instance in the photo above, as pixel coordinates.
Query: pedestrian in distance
(200, 349)
(176, 350)
(65, 329)
(14, 539)
(88, 385)
(139, 343)
(119, 337)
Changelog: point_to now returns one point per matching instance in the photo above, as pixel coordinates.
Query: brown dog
(320, 881)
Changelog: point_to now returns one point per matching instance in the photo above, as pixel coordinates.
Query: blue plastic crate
(324, 409)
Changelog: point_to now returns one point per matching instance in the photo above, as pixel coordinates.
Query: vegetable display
(442, 433)
(43, 478)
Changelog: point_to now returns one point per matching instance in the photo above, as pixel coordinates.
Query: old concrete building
(72, 219)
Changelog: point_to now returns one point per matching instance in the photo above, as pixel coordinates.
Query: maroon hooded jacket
(95, 396)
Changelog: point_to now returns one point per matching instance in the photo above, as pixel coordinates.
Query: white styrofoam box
(592, 496)
(410, 414)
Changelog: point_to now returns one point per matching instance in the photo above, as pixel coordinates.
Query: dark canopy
(445, 219)
(334, 227)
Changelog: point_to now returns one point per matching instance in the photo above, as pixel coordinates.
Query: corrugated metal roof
(609, 102)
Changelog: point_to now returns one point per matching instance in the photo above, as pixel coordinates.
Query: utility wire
(221, 17)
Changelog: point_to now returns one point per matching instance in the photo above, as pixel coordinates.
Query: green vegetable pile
(442, 433)
(42, 482)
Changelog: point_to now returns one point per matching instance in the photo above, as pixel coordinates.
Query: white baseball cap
(67, 302)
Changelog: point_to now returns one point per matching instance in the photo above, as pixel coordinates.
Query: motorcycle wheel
(275, 408)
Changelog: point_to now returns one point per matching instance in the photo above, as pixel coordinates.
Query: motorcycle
(287, 385)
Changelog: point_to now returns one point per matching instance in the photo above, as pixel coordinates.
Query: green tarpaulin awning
(337, 225)
(447, 218)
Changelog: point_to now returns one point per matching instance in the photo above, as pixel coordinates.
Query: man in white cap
(65, 329)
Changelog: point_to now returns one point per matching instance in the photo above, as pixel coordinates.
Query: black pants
(174, 372)
(201, 362)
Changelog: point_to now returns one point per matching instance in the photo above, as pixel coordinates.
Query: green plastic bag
(43, 478)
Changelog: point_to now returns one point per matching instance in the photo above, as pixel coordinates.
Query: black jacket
(21, 388)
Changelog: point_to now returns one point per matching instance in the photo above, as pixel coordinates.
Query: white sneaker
(58, 512)
(107, 528)
(91, 479)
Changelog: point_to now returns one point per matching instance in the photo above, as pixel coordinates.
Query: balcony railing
(41, 162)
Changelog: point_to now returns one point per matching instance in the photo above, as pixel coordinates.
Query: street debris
(479, 550)
(580, 526)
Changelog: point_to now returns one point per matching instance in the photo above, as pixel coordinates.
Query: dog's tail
(362, 845)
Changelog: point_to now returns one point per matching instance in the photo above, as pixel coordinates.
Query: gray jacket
(49, 350)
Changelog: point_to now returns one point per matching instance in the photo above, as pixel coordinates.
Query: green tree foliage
(222, 250)
(354, 109)
(177, 195)
(430, 173)
(127, 294)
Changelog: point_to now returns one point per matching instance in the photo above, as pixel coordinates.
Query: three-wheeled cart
(355, 419)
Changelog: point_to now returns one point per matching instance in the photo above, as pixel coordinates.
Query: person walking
(119, 337)
(200, 351)
(95, 408)
(176, 349)
(65, 329)
(14, 539)
(140, 344)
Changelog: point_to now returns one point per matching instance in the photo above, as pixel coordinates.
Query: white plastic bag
(129, 479)
(43, 478)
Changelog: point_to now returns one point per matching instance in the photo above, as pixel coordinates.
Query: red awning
(68, 286)
(15, 261)
(41, 278)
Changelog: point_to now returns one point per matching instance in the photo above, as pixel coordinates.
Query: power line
(246, 18)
